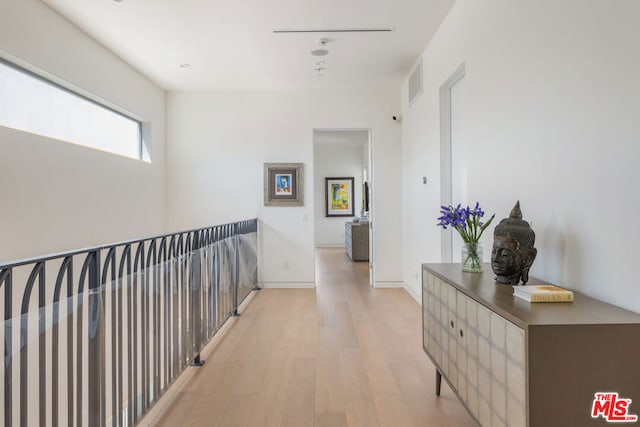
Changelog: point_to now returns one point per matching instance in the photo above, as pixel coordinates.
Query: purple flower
(454, 217)
(477, 211)
(466, 221)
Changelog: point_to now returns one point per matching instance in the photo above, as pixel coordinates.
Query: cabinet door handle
(452, 324)
(461, 334)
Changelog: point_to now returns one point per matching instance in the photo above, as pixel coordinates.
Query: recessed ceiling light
(185, 65)
(319, 52)
(118, 1)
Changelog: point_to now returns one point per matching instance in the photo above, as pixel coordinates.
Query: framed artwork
(283, 184)
(339, 196)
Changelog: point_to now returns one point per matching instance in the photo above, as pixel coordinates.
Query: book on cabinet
(543, 293)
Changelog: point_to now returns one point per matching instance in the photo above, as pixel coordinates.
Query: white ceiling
(231, 44)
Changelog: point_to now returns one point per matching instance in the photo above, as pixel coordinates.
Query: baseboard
(287, 285)
(383, 285)
(413, 293)
(329, 245)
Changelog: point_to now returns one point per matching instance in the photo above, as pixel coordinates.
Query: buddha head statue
(513, 252)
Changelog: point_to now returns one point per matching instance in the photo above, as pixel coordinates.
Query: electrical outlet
(286, 264)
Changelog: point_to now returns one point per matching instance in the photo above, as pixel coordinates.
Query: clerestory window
(31, 102)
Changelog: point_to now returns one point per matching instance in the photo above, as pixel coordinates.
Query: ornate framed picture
(339, 196)
(284, 184)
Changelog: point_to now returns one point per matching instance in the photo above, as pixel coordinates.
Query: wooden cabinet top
(482, 287)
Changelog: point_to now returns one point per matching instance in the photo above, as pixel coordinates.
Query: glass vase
(472, 257)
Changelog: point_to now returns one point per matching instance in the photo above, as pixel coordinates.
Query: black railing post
(6, 280)
(196, 287)
(254, 227)
(95, 354)
(236, 262)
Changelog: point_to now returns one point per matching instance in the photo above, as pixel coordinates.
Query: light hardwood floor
(342, 354)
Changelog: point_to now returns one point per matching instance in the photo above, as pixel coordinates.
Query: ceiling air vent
(415, 83)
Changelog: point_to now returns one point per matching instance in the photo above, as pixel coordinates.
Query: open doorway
(344, 156)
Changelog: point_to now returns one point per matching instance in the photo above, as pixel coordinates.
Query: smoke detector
(322, 42)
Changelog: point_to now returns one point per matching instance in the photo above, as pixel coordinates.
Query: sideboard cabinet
(356, 241)
(518, 364)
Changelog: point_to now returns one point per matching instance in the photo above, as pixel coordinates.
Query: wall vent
(415, 83)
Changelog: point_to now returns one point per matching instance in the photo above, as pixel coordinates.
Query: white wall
(553, 99)
(218, 142)
(58, 196)
(335, 161)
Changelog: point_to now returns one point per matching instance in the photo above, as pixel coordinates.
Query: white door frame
(445, 156)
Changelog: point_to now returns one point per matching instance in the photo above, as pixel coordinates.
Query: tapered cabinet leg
(438, 382)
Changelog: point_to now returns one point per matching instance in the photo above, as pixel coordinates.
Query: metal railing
(113, 326)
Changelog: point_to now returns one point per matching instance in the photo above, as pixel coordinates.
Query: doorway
(453, 163)
(344, 153)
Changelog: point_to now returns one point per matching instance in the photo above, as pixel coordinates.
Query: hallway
(342, 354)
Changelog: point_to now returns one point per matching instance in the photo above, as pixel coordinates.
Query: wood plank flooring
(342, 354)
